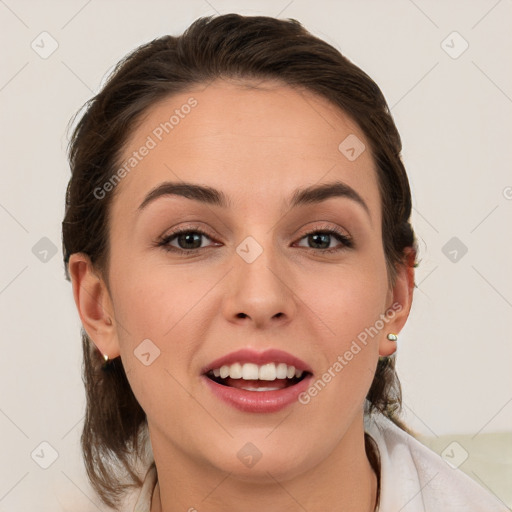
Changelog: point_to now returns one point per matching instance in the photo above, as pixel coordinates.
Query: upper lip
(247, 355)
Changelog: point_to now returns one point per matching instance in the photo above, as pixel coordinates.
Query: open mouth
(253, 377)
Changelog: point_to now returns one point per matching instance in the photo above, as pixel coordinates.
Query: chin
(266, 465)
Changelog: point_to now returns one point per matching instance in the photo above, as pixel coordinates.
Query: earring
(391, 337)
(105, 364)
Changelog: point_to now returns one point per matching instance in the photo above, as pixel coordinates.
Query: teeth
(235, 371)
(281, 370)
(224, 371)
(251, 371)
(267, 372)
(260, 389)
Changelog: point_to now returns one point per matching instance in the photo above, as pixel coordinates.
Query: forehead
(255, 142)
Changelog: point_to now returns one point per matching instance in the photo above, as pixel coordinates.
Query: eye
(188, 240)
(323, 237)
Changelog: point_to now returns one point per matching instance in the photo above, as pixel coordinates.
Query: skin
(257, 145)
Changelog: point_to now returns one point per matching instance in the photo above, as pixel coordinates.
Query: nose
(260, 292)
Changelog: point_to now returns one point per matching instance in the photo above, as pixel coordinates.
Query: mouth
(253, 377)
(257, 381)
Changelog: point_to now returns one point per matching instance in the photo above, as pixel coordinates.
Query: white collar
(416, 479)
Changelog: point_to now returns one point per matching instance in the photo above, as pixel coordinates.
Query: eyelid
(346, 239)
(185, 229)
(341, 235)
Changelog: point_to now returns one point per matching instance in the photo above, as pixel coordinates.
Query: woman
(238, 238)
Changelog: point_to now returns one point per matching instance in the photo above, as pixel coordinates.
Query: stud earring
(105, 364)
(391, 337)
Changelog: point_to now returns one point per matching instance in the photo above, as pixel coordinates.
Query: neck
(344, 480)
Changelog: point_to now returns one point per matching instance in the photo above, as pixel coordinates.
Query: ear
(399, 301)
(94, 305)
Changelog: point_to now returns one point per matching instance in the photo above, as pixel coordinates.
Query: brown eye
(185, 241)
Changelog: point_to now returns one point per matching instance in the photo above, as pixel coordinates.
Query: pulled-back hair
(223, 47)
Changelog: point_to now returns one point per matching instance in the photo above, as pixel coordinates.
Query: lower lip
(258, 401)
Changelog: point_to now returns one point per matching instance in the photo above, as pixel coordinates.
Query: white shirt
(413, 477)
(416, 479)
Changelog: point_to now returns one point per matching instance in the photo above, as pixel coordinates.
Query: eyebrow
(205, 194)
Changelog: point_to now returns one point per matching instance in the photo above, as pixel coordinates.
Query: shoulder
(416, 479)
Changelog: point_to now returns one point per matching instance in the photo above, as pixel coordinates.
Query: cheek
(349, 303)
(153, 306)
(347, 298)
(350, 346)
(152, 300)
(157, 309)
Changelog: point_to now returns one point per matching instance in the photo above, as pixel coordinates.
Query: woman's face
(255, 282)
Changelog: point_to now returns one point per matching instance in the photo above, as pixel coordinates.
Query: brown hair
(231, 47)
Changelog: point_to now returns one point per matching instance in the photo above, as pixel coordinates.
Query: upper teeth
(251, 371)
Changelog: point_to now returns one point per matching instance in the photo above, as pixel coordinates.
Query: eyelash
(347, 242)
